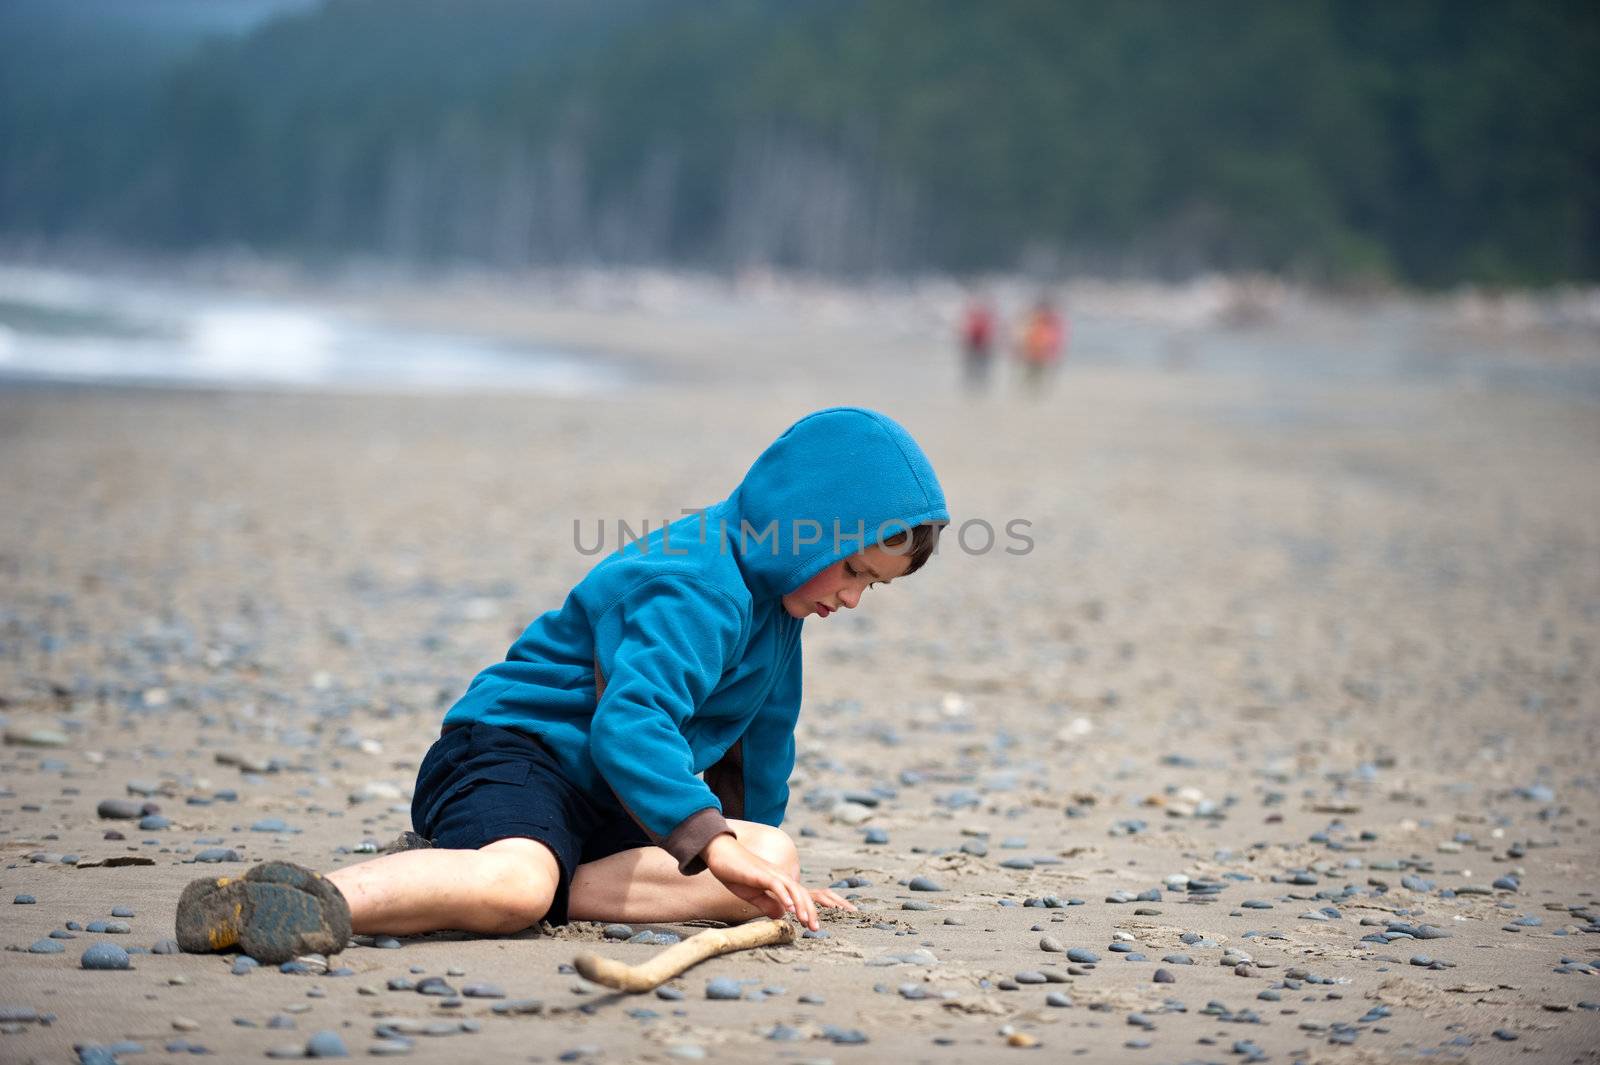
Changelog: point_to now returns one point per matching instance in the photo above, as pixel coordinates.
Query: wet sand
(1331, 648)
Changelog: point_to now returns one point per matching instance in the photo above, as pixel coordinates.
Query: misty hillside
(1426, 142)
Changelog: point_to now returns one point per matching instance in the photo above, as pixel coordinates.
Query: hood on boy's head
(838, 481)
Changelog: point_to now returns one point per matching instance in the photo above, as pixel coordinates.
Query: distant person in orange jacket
(977, 342)
(1044, 338)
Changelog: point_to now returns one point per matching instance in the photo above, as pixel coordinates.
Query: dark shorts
(480, 783)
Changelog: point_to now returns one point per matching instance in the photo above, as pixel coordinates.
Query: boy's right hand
(758, 881)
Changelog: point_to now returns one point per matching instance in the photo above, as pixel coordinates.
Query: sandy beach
(1286, 716)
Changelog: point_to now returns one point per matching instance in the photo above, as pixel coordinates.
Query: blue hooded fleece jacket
(675, 657)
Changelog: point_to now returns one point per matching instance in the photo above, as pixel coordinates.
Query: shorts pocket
(513, 772)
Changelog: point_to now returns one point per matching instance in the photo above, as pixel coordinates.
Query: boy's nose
(849, 597)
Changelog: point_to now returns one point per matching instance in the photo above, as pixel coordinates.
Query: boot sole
(276, 912)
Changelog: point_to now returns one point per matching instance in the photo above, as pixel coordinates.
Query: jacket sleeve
(752, 778)
(659, 652)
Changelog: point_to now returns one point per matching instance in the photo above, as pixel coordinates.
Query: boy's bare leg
(501, 888)
(644, 884)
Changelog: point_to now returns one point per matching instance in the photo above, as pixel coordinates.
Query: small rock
(326, 1044)
(923, 883)
(36, 737)
(105, 956)
(120, 809)
(724, 989)
(218, 854)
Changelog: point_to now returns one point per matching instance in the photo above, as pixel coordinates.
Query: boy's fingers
(807, 915)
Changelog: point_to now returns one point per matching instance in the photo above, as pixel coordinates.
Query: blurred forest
(1423, 142)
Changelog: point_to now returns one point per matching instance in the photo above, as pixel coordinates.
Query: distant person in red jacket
(977, 341)
(1044, 338)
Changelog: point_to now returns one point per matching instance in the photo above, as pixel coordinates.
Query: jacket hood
(837, 482)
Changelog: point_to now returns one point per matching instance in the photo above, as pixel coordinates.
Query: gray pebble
(326, 1044)
(1164, 976)
(617, 931)
(105, 956)
(122, 911)
(1058, 999)
(24, 900)
(483, 991)
(1082, 955)
(669, 994)
(120, 809)
(218, 854)
(724, 988)
(923, 883)
(390, 1048)
(46, 946)
(1051, 945)
(243, 965)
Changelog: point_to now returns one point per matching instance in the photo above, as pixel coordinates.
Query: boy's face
(839, 587)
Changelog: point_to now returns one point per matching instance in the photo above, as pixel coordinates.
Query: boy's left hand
(826, 897)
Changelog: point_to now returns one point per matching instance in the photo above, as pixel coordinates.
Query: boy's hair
(924, 538)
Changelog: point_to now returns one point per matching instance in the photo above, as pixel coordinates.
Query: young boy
(566, 784)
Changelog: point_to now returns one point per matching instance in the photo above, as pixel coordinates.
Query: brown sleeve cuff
(691, 837)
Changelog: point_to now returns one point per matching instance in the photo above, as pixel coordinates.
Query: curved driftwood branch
(682, 956)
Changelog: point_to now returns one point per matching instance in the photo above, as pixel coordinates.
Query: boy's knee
(771, 844)
(517, 893)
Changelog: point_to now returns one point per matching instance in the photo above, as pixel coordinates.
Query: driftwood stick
(680, 957)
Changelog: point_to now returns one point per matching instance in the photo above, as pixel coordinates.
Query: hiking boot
(275, 912)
